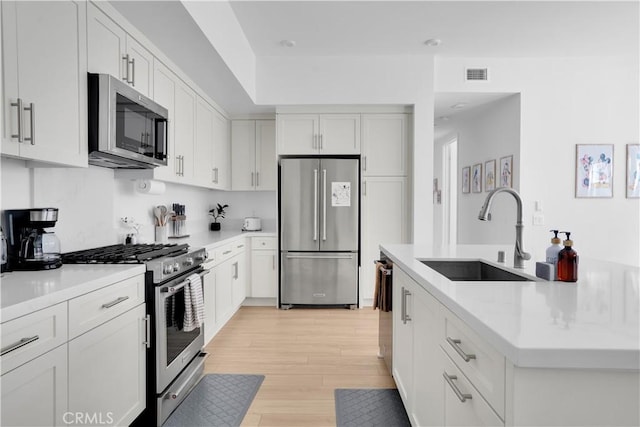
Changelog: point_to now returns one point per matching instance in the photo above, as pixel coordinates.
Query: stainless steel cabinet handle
(321, 141)
(240, 246)
(364, 188)
(315, 142)
(462, 396)
(216, 169)
(235, 267)
(364, 161)
(213, 175)
(252, 179)
(403, 306)
(32, 122)
(177, 166)
(147, 331)
(257, 179)
(226, 252)
(115, 302)
(315, 205)
(405, 294)
(324, 204)
(273, 263)
(454, 343)
(17, 345)
(125, 58)
(133, 72)
(19, 135)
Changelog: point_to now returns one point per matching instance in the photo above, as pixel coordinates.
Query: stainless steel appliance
(30, 246)
(175, 360)
(319, 215)
(126, 129)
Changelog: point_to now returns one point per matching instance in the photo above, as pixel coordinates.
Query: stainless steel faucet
(519, 255)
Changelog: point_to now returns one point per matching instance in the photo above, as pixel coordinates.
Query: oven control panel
(166, 268)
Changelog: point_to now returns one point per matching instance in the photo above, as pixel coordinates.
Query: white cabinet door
(209, 305)
(221, 152)
(264, 274)
(239, 278)
(339, 134)
(184, 123)
(385, 144)
(35, 394)
(224, 297)
(44, 43)
(107, 369)
(297, 133)
(266, 159)
(428, 327)
(384, 220)
(403, 336)
(164, 93)
(243, 155)
(140, 67)
(203, 171)
(106, 44)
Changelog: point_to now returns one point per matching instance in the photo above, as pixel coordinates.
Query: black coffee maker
(29, 245)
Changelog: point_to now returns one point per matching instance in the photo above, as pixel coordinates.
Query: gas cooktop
(124, 254)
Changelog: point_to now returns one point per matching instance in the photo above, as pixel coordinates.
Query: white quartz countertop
(593, 323)
(22, 292)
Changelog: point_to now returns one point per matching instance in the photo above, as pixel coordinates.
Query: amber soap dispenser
(568, 261)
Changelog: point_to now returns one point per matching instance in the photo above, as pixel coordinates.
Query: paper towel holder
(149, 186)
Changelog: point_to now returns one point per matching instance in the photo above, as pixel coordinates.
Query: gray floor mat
(370, 407)
(218, 400)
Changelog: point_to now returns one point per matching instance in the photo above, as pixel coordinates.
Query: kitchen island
(516, 352)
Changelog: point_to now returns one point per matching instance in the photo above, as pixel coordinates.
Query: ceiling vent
(476, 74)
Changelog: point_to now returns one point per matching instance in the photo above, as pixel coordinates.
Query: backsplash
(92, 201)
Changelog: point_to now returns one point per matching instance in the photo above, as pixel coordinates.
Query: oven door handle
(171, 290)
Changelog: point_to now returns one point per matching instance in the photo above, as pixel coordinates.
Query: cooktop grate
(124, 254)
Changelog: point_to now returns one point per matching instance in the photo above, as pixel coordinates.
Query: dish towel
(193, 303)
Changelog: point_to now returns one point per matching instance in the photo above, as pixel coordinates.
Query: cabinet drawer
(223, 253)
(239, 246)
(266, 243)
(93, 309)
(483, 366)
(27, 337)
(463, 404)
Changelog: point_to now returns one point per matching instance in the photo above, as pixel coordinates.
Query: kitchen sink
(458, 270)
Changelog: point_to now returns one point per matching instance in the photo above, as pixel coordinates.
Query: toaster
(252, 223)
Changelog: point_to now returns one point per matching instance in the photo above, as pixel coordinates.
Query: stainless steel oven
(179, 361)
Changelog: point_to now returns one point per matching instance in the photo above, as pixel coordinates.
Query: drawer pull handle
(454, 343)
(226, 252)
(115, 302)
(462, 396)
(240, 246)
(21, 343)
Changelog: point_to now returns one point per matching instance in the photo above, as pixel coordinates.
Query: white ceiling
(467, 29)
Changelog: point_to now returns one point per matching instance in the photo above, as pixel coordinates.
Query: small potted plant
(217, 212)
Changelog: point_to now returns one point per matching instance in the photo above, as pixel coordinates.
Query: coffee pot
(30, 246)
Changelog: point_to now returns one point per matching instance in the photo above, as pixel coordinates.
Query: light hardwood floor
(304, 354)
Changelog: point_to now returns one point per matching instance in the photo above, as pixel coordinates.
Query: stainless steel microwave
(126, 129)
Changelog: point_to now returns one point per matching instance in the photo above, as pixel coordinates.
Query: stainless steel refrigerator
(319, 230)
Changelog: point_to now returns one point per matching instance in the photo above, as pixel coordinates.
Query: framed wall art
(594, 170)
(505, 172)
(633, 170)
(476, 178)
(489, 175)
(466, 179)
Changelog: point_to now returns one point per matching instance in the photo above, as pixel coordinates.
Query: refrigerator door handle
(324, 204)
(346, 256)
(315, 205)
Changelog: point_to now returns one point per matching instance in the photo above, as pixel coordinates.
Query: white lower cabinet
(463, 404)
(264, 267)
(209, 288)
(107, 371)
(403, 336)
(35, 394)
(224, 296)
(239, 278)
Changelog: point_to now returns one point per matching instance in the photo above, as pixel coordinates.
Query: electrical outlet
(538, 219)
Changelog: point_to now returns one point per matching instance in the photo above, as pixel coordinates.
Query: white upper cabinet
(253, 155)
(112, 51)
(184, 137)
(164, 93)
(221, 153)
(203, 170)
(45, 82)
(318, 133)
(385, 144)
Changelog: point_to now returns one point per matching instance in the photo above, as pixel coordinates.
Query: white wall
(92, 201)
(400, 80)
(486, 133)
(564, 102)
